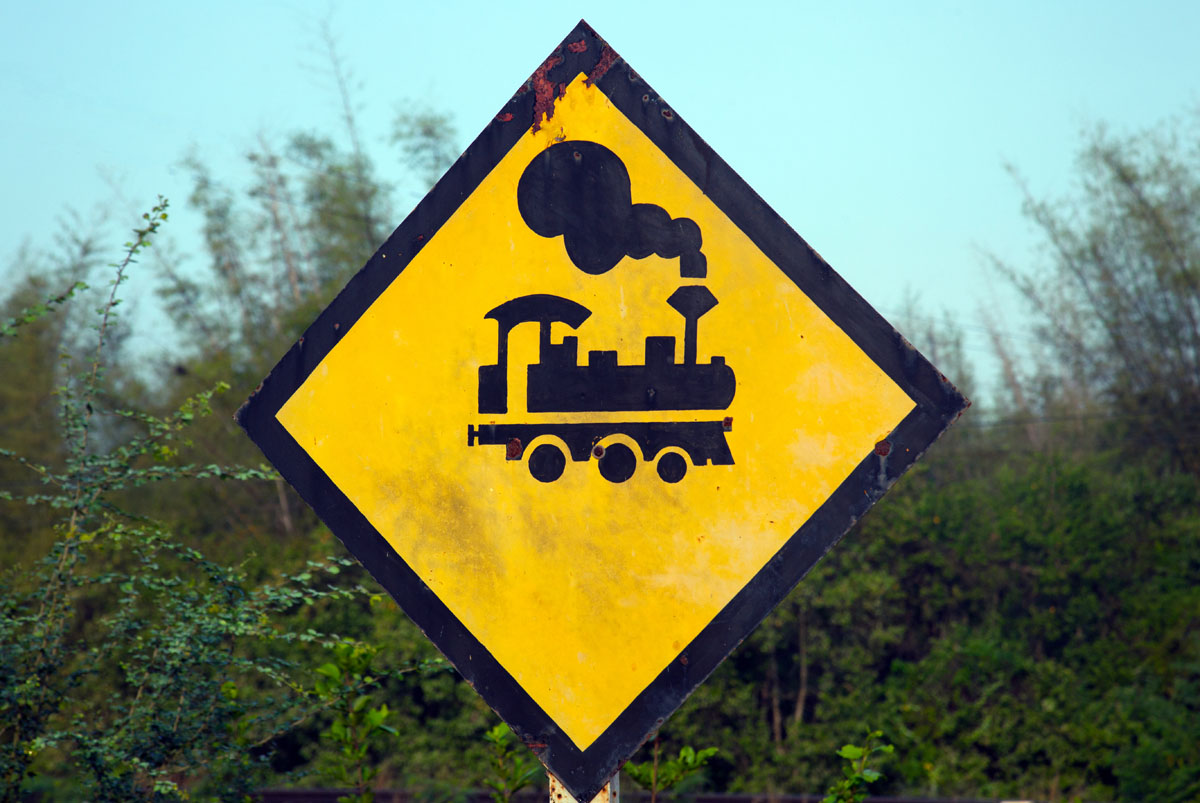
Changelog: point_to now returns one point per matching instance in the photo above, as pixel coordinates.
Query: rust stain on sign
(608, 57)
(544, 91)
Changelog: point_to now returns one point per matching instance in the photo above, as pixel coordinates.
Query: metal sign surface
(592, 411)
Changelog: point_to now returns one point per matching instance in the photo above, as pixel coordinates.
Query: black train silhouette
(580, 191)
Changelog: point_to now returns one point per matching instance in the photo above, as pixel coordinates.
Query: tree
(199, 676)
(1119, 304)
(130, 664)
(277, 251)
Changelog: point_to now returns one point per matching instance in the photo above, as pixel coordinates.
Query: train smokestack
(691, 301)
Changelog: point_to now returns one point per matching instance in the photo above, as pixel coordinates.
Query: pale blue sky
(878, 130)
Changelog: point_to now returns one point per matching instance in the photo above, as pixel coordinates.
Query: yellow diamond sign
(592, 411)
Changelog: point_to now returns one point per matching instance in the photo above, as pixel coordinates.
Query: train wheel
(618, 463)
(547, 462)
(672, 467)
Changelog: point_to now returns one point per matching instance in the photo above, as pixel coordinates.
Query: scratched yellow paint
(585, 590)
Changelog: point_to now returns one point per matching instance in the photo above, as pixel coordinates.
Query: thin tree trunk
(285, 512)
(282, 235)
(802, 694)
(776, 707)
(1008, 367)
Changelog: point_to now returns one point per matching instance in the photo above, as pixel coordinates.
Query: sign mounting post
(672, 408)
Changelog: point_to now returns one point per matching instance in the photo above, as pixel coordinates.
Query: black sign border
(938, 404)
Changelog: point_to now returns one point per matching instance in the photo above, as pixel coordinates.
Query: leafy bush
(132, 666)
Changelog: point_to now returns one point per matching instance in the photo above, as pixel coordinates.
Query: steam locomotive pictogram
(580, 191)
(556, 383)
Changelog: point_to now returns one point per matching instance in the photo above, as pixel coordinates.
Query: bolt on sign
(593, 410)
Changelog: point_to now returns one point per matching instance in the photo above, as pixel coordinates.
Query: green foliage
(1023, 633)
(858, 776)
(131, 665)
(426, 139)
(357, 725)
(38, 311)
(659, 775)
(1019, 614)
(511, 766)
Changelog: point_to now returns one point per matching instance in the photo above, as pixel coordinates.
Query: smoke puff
(580, 191)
